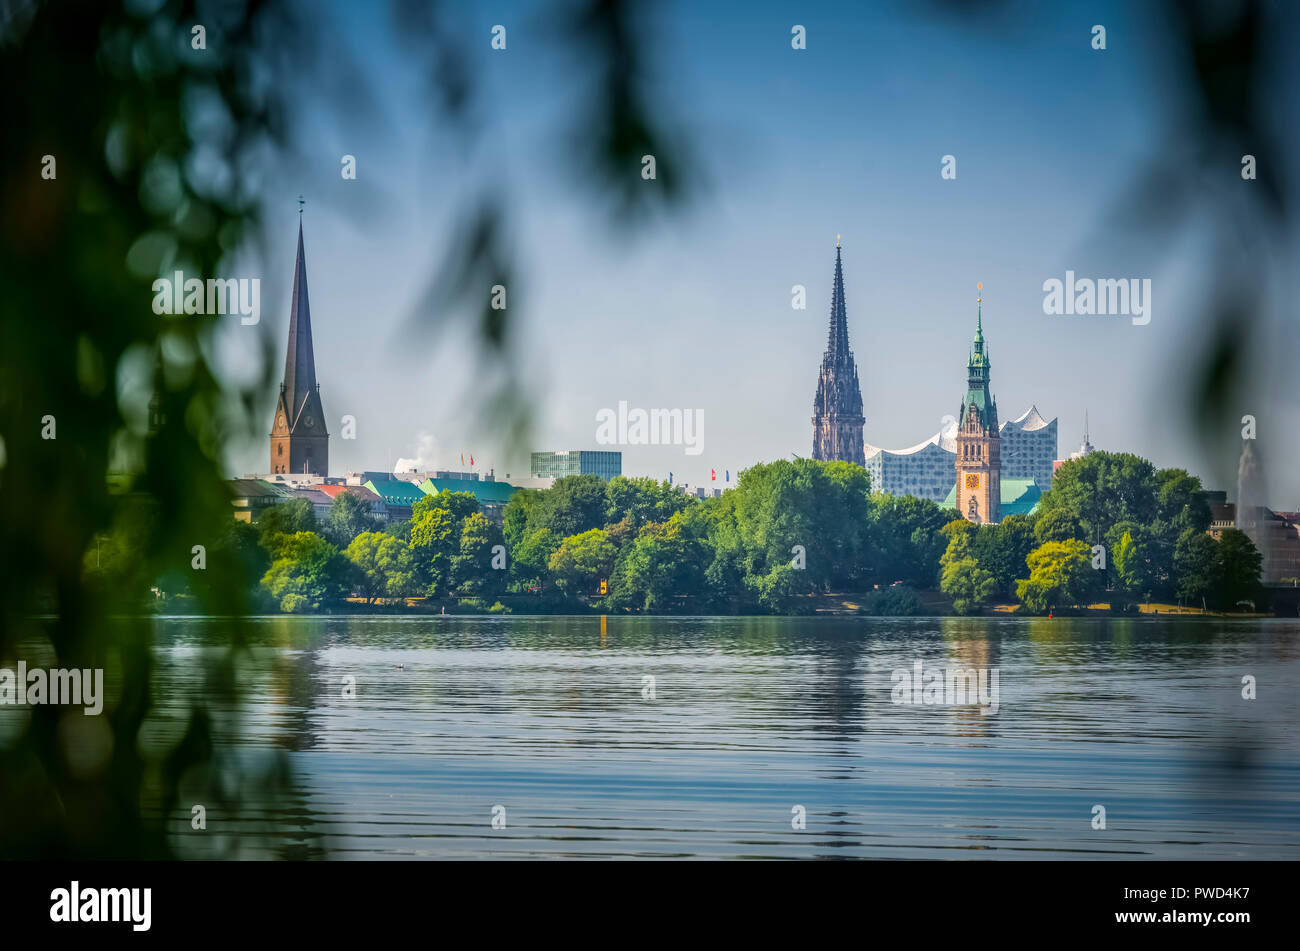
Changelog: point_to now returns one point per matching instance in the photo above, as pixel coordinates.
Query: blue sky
(693, 310)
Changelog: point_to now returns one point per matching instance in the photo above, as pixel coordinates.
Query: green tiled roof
(1019, 497)
(396, 491)
(487, 493)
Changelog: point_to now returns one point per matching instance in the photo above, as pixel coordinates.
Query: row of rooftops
(385, 493)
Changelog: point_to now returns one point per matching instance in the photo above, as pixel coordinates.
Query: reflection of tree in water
(836, 693)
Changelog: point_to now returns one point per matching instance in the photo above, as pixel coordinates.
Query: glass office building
(557, 465)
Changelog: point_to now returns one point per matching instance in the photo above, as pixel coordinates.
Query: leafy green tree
(1002, 550)
(961, 577)
(348, 517)
(1099, 490)
(571, 506)
(1060, 574)
(641, 500)
(1145, 566)
(236, 564)
(435, 533)
(516, 514)
(1241, 565)
(1180, 503)
(821, 507)
(1127, 568)
(779, 589)
(1056, 525)
(529, 566)
(714, 520)
(471, 567)
(384, 566)
(581, 561)
(905, 539)
(969, 585)
(1198, 566)
(287, 518)
(663, 564)
(459, 505)
(308, 565)
(1104, 491)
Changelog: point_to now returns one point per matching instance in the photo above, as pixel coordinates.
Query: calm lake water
(751, 719)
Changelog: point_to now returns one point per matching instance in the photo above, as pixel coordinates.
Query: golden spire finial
(979, 287)
(837, 241)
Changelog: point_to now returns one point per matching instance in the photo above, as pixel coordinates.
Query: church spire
(299, 436)
(837, 341)
(837, 407)
(299, 360)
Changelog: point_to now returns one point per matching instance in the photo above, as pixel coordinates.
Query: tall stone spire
(837, 409)
(299, 360)
(837, 339)
(299, 438)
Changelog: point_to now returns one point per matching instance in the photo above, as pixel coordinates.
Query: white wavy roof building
(928, 470)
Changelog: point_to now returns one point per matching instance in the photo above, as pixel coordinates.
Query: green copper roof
(1019, 497)
(977, 380)
(396, 491)
(487, 493)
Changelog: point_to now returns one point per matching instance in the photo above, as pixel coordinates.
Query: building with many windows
(567, 462)
(1029, 446)
(927, 470)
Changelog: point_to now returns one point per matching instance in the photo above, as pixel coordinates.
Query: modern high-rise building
(979, 446)
(299, 438)
(567, 462)
(837, 409)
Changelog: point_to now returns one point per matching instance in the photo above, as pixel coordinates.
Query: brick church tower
(837, 409)
(299, 439)
(979, 457)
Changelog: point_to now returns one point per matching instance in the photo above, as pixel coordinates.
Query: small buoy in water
(398, 666)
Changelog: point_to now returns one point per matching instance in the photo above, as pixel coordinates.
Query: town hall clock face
(972, 481)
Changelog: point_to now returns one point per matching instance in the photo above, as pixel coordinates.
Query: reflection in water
(751, 717)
